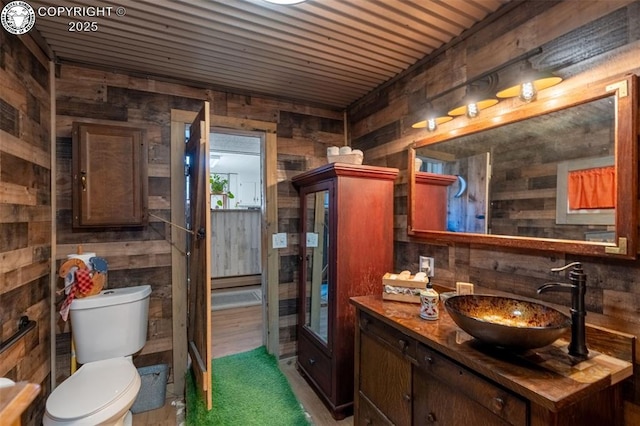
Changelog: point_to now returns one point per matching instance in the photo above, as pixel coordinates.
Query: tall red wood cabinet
(346, 246)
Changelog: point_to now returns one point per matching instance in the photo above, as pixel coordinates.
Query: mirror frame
(626, 162)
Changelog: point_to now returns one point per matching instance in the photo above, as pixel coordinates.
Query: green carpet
(248, 389)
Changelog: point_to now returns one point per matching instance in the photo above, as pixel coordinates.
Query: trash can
(153, 388)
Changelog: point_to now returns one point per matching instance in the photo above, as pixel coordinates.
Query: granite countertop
(548, 376)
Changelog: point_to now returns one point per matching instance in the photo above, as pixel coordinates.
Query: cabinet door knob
(312, 361)
(403, 344)
(83, 180)
(367, 421)
(428, 359)
(431, 417)
(407, 397)
(498, 403)
(364, 322)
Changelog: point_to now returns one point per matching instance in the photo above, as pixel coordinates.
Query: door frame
(270, 257)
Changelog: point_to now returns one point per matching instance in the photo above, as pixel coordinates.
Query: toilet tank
(110, 324)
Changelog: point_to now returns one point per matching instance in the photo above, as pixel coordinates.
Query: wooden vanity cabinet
(402, 381)
(444, 392)
(383, 376)
(109, 176)
(346, 244)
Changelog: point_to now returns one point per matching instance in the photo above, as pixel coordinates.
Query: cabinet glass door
(316, 234)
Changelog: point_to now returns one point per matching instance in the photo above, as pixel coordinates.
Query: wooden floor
(233, 331)
(317, 412)
(236, 330)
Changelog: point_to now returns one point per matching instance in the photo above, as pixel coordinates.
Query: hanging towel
(82, 285)
(592, 188)
(64, 309)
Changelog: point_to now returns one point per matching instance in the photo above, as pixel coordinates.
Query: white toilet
(107, 329)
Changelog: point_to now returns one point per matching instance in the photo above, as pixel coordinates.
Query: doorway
(238, 311)
(270, 273)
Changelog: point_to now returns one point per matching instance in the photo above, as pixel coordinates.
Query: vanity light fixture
(529, 85)
(486, 82)
(472, 104)
(434, 119)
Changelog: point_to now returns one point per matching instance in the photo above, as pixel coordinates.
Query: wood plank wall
(596, 41)
(25, 214)
(235, 236)
(143, 257)
(135, 257)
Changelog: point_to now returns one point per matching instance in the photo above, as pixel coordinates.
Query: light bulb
(528, 91)
(472, 110)
(432, 125)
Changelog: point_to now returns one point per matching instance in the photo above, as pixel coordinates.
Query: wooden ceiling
(324, 52)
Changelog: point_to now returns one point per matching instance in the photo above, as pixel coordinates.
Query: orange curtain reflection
(592, 188)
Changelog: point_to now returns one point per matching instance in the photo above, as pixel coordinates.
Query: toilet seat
(107, 385)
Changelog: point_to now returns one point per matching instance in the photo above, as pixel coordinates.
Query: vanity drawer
(389, 335)
(368, 414)
(493, 397)
(315, 364)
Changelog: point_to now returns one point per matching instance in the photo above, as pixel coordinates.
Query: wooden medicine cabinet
(109, 176)
(515, 170)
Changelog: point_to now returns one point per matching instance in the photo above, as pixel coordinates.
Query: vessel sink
(507, 322)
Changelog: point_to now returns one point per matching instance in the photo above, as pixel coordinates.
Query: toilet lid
(90, 389)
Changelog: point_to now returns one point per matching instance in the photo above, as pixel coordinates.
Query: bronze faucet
(577, 285)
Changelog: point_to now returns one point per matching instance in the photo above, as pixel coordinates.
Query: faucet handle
(577, 265)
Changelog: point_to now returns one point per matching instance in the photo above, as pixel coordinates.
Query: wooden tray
(409, 284)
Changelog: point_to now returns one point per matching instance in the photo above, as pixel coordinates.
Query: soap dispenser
(429, 299)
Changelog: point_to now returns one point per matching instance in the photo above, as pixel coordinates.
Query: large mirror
(558, 174)
(316, 273)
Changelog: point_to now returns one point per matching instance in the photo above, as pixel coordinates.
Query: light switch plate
(312, 240)
(279, 240)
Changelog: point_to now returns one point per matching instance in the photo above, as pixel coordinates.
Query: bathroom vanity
(409, 371)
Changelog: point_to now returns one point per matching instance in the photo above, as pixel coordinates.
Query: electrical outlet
(279, 240)
(427, 264)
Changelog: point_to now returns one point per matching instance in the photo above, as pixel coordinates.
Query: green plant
(219, 186)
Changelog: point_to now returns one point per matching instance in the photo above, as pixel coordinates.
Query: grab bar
(24, 326)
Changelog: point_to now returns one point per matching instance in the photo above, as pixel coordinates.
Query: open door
(199, 261)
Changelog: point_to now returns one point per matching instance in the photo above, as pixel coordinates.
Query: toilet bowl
(108, 329)
(99, 393)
